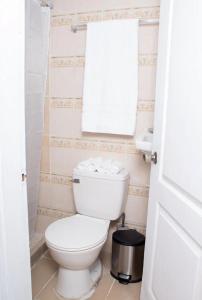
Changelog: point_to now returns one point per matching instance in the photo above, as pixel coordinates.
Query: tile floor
(44, 273)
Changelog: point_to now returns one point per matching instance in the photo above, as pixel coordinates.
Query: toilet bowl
(75, 242)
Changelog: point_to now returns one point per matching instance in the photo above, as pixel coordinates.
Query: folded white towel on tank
(100, 165)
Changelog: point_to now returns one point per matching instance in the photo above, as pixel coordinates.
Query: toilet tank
(99, 195)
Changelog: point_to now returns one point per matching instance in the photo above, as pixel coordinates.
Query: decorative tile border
(114, 14)
(68, 62)
(61, 180)
(45, 177)
(79, 61)
(76, 104)
(84, 18)
(146, 105)
(137, 191)
(147, 59)
(55, 179)
(54, 213)
(57, 21)
(136, 13)
(100, 146)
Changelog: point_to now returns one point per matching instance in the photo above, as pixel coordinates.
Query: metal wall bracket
(154, 158)
(75, 180)
(24, 177)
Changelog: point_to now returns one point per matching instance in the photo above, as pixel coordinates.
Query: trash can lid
(129, 237)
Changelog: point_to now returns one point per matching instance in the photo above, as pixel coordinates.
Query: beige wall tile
(66, 43)
(64, 160)
(45, 159)
(66, 82)
(64, 6)
(148, 39)
(136, 210)
(117, 4)
(145, 120)
(56, 196)
(46, 116)
(65, 122)
(43, 222)
(138, 169)
(146, 82)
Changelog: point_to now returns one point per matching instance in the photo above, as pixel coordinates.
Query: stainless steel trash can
(127, 255)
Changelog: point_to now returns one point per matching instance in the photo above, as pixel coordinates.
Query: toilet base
(78, 284)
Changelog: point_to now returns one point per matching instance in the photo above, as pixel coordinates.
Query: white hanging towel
(111, 77)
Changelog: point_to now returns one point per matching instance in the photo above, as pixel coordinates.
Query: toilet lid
(76, 233)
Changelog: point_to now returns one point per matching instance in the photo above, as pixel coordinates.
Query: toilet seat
(76, 233)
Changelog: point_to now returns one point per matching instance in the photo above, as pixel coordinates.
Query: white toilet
(75, 242)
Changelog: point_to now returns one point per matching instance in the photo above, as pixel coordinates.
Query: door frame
(15, 272)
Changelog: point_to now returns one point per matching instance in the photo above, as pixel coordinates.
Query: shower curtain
(37, 41)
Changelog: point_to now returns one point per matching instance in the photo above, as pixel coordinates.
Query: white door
(15, 283)
(173, 255)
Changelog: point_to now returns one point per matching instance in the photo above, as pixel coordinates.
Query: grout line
(45, 285)
(110, 289)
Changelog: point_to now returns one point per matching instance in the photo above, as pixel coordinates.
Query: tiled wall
(64, 145)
